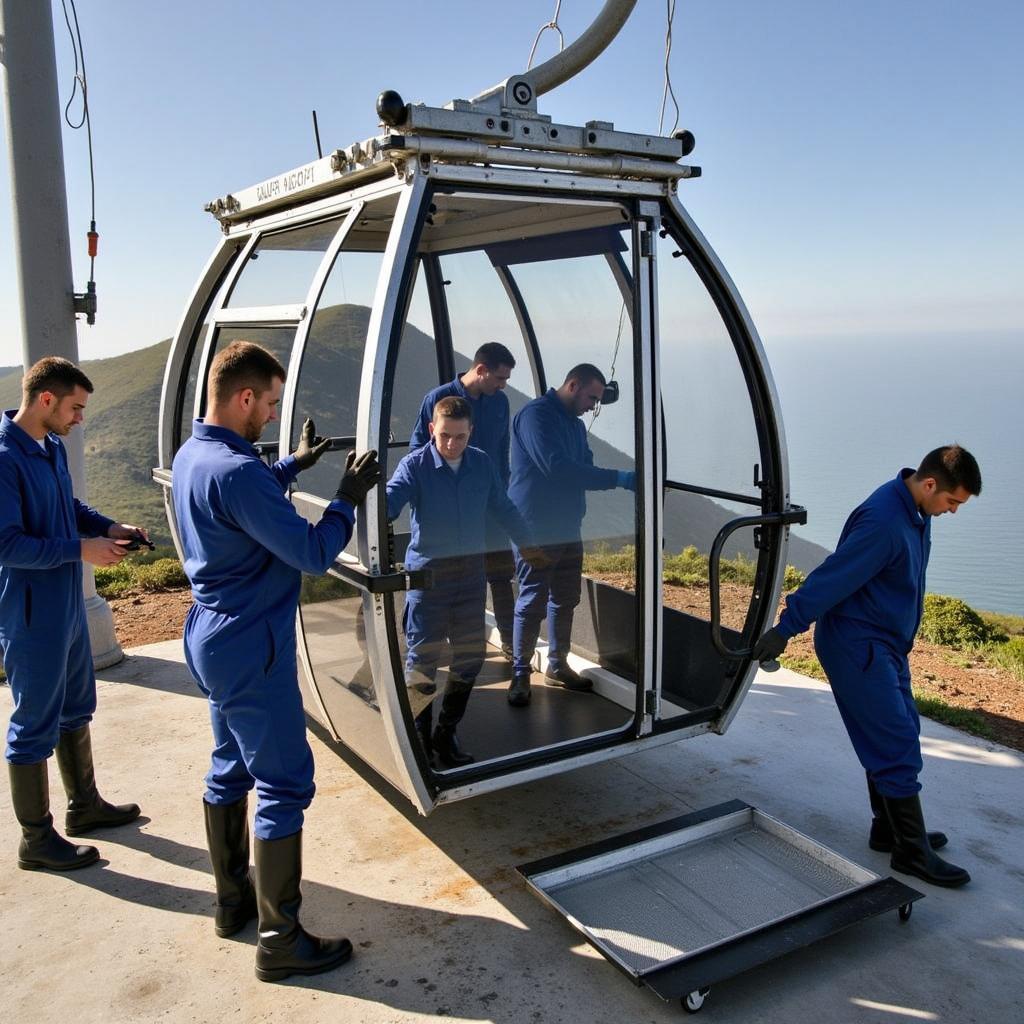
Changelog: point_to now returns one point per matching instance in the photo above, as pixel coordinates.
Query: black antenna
(316, 132)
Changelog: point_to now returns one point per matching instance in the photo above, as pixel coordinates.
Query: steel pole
(41, 242)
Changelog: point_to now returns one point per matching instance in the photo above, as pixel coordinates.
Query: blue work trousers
(500, 567)
(871, 684)
(53, 686)
(452, 612)
(249, 675)
(555, 590)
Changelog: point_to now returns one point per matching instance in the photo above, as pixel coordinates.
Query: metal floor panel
(697, 894)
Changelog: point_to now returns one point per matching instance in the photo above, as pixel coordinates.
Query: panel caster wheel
(695, 1000)
(905, 911)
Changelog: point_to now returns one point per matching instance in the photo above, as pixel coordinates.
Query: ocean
(857, 409)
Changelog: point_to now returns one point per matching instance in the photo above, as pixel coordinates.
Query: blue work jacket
(875, 579)
(41, 525)
(245, 546)
(490, 423)
(552, 469)
(449, 510)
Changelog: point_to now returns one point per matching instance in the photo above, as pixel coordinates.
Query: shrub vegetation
(954, 623)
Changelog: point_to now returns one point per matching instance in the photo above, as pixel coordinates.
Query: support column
(38, 193)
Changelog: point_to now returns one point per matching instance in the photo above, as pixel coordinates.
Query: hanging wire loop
(553, 26)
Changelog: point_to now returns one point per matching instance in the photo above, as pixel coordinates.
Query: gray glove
(360, 476)
(770, 646)
(309, 451)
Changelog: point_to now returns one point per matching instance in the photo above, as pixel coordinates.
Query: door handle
(382, 583)
(794, 514)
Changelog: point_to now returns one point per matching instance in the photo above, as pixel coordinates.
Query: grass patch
(139, 573)
(689, 568)
(805, 666)
(1009, 625)
(1009, 656)
(938, 710)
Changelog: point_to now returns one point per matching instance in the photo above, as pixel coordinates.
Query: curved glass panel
(711, 443)
(417, 369)
(190, 372)
(480, 310)
(327, 388)
(191, 380)
(558, 251)
(711, 438)
(281, 266)
(277, 340)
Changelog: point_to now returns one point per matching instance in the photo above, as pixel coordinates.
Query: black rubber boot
(285, 947)
(519, 690)
(87, 810)
(453, 706)
(424, 725)
(227, 837)
(881, 831)
(41, 847)
(911, 853)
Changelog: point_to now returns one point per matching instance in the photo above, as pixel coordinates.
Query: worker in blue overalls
(245, 550)
(45, 536)
(453, 491)
(552, 469)
(483, 387)
(867, 599)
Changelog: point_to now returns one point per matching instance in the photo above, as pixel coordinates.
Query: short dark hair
(454, 408)
(493, 354)
(952, 467)
(52, 373)
(240, 365)
(585, 373)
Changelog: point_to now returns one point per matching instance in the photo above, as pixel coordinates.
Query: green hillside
(121, 431)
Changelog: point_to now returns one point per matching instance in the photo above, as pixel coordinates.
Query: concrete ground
(441, 924)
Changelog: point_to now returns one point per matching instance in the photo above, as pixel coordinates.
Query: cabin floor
(443, 926)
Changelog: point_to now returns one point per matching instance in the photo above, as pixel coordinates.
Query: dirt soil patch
(961, 679)
(146, 617)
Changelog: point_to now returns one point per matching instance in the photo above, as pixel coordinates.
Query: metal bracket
(85, 302)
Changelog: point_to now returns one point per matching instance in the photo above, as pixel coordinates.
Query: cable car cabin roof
(467, 221)
(435, 136)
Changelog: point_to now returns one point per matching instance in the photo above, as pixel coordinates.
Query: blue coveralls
(552, 469)
(245, 550)
(44, 637)
(867, 600)
(450, 512)
(491, 420)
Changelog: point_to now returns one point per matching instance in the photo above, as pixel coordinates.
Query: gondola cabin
(373, 274)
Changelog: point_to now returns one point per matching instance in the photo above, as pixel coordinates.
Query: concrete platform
(441, 924)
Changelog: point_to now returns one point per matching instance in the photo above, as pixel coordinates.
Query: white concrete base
(106, 651)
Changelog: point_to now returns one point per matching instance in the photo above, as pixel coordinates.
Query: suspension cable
(667, 91)
(81, 82)
(553, 25)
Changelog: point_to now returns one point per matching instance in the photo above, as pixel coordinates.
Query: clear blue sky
(861, 161)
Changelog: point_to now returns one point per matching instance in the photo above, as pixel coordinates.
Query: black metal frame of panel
(734, 956)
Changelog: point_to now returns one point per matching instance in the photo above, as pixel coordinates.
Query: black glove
(361, 475)
(770, 646)
(309, 451)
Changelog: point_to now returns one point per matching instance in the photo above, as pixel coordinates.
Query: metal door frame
(763, 398)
